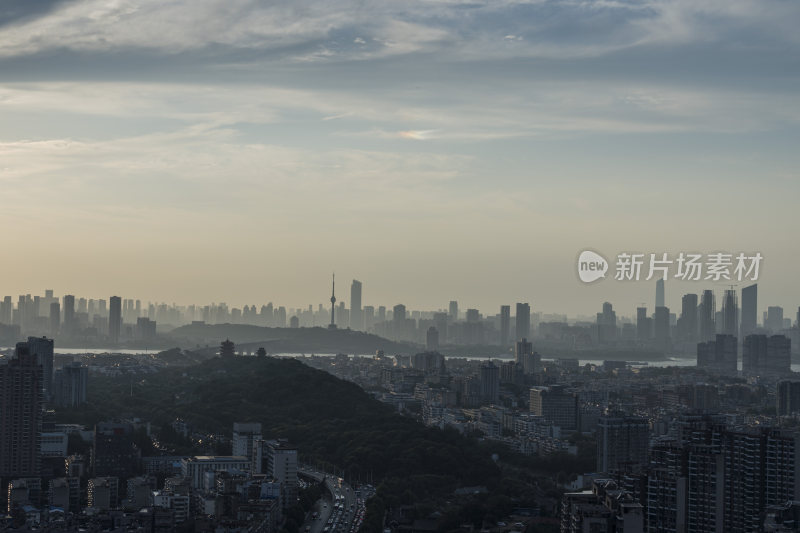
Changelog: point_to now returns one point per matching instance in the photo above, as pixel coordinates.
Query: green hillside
(330, 420)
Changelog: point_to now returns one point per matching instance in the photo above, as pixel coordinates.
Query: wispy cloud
(348, 30)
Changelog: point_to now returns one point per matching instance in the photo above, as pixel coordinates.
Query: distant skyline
(673, 302)
(228, 150)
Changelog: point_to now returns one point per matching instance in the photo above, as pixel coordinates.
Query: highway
(340, 511)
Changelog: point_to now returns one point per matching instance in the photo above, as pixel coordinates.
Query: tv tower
(333, 303)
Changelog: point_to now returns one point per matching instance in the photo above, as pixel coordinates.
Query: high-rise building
(145, 328)
(508, 372)
(788, 397)
(245, 437)
(453, 311)
(774, 321)
(661, 328)
(278, 459)
(490, 382)
(749, 310)
(642, 325)
(721, 354)
(708, 312)
(687, 323)
(21, 414)
(6, 311)
(557, 405)
(766, 355)
(399, 323)
(55, 318)
(526, 359)
(369, 317)
(730, 313)
(114, 452)
(69, 385)
(660, 293)
(69, 313)
(42, 348)
(711, 478)
(622, 443)
(114, 318)
(607, 324)
(523, 321)
(505, 325)
(440, 322)
(432, 339)
(356, 315)
(522, 349)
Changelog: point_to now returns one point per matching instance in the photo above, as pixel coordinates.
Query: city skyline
(233, 148)
(755, 312)
(377, 266)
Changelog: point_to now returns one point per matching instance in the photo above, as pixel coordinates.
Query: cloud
(348, 30)
(417, 135)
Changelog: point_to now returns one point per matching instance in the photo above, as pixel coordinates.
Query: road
(340, 511)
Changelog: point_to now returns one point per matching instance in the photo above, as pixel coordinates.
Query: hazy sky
(240, 151)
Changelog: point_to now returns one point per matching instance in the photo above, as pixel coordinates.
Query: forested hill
(288, 340)
(328, 419)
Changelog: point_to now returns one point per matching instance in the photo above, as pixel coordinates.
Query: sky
(229, 150)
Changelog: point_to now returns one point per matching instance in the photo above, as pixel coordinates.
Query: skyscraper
(368, 315)
(490, 382)
(749, 309)
(762, 354)
(708, 313)
(556, 404)
(622, 443)
(661, 328)
(356, 315)
(788, 397)
(69, 385)
(523, 348)
(69, 313)
(607, 324)
(687, 323)
(20, 414)
(505, 324)
(721, 354)
(399, 313)
(245, 437)
(55, 318)
(42, 349)
(774, 321)
(660, 293)
(523, 321)
(453, 311)
(114, 452)
(114, 318)
(730, 313)
(642, 325)
(432, 339)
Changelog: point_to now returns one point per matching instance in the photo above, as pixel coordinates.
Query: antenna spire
(333, 303)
